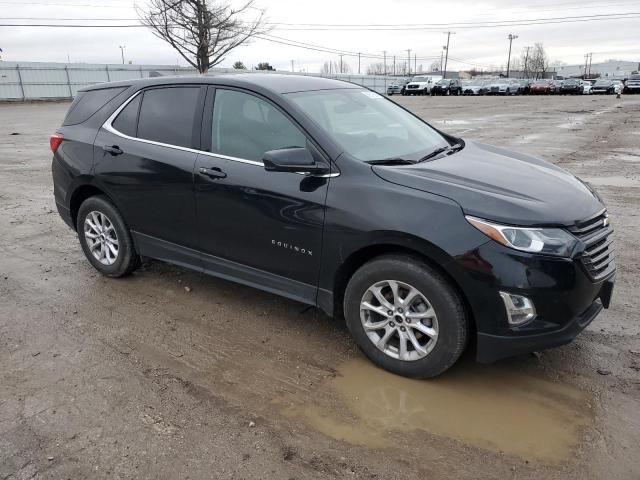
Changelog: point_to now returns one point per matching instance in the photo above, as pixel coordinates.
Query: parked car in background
(632, 85)
(618, 86)
(515, 87)
(447, 86)
(572, 86)
(542, 87)
(557, 86)
(251, 178)
(394, 88)
(474, 87)
(525, 86)
(604, 87)
(587, 87)
(499, 87)
(397, 87)
(420, 85)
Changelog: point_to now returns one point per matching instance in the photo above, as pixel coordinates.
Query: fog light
(519, 308)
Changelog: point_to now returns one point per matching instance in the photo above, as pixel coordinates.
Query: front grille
(495, 89)
(412, 86)
(598, 256)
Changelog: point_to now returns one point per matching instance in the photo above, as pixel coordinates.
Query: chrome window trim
(108, 125)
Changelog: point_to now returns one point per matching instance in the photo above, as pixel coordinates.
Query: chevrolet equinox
(332, 195)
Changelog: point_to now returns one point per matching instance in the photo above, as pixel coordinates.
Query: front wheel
(405, 316)
(105, 238)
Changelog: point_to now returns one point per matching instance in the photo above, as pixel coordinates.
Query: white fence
(52, 81)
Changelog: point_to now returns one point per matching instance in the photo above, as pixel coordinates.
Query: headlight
(547, 241)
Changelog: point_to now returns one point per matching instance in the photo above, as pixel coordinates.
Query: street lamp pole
(122, 47)
(511, 38)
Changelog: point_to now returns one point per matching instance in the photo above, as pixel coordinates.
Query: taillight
(55, 141)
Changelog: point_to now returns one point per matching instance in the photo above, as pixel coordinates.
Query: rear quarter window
(127, 120)
(87, 103)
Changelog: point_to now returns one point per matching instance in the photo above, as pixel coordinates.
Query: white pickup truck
(421, 84)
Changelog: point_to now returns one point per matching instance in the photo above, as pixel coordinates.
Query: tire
(440, 350)
(113, 227)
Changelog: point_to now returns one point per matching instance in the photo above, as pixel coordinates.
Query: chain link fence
(58, 81)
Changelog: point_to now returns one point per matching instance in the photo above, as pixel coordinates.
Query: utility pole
(358, 63)
(590, 58)
(526, 61)
(446, 56)
(394, 65)
(586, 62)
(511, 38)
(384, 54)
(415, 63)
(442, 57)
(409, 61)
(122, 47)
(341, 55)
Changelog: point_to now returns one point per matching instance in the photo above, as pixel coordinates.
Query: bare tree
(203, 32)
(331, 67)
(538, 62)
(376, 68)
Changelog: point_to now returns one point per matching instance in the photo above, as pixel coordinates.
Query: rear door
(264, 228)
(144, 159)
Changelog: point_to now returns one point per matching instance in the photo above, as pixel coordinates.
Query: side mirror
(295, 159)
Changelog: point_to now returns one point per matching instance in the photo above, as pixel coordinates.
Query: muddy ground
(141, 378)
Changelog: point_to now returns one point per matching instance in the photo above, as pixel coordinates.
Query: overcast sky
(567, 42)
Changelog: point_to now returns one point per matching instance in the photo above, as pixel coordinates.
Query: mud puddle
(491, 407)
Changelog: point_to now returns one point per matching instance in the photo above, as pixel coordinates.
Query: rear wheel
(405, 316)
(105, 238)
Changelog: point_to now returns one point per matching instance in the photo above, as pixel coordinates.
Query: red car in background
(543, 87)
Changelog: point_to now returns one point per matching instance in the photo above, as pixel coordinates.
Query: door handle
(112, 149)
(213, 172)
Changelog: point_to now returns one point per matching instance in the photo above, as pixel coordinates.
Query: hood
(496, 184)
(418, 83)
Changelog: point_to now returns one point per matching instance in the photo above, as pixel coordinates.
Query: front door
(262, 228)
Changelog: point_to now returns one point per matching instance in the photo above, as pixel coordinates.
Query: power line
(467, 25)
(424, 26)
(64, 4)
(581, 6)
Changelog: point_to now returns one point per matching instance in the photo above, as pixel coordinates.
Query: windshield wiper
(449, 149)
(391, 161)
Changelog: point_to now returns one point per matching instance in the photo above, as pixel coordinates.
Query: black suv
(572, 86)
(447, 87)
(332, 195)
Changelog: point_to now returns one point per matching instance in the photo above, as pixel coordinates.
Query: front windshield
(442, 82)
(367, 125)
(420, 79)
(570, 82)
(602, 83)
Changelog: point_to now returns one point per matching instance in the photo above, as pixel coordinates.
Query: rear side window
(87, 103)
(167, 115)
(127, 120)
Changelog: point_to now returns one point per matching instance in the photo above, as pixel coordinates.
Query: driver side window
(245, 126)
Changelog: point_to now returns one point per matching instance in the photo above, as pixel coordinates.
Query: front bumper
(494, 347)
(411, 91)
(566, 299)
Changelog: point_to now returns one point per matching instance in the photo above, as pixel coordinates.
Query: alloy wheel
(101, 237)
(399, 320)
